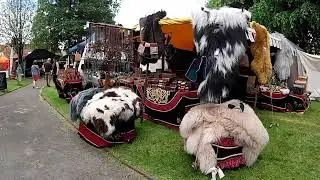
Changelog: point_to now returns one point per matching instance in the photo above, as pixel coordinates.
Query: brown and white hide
(205, 124)
(112, 109)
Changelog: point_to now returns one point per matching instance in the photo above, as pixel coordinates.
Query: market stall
(164, 59)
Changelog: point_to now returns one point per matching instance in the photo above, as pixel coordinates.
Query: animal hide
(112, 110)
(283, 64)
(150, 32)
(205, 124)
(220, 39)
(79, 101)
(260, 49)
(284, 57)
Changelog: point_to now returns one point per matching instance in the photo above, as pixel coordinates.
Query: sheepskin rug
(220, 39)
(260, 49)
(205, 124)
(112, 110)
(80, 100)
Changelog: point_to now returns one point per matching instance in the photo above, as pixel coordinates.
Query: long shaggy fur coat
(220, 39)
(260, 49)
(206, 124)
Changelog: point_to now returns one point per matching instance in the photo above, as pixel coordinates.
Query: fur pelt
(111, 110)
(220, 38)
(79, 101)
(207, 123)
(283, 64)
(284, 57)
(150, 31)
(260, 49)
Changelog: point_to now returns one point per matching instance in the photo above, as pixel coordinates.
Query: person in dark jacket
(55, 74)
(47, 66)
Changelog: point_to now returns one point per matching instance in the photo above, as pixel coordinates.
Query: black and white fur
(220, 37)
(80, 100)
(111, 110)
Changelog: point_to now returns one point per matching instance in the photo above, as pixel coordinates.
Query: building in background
(8, 52)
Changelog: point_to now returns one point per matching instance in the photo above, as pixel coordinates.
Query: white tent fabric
(311, 64)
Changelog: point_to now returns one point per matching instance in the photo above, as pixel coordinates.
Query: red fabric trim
(100, 142)
(92, 137)
(274, 95)
(301, 97)
(232, 163)
(227, 142)
(171, 104)
(276, 108)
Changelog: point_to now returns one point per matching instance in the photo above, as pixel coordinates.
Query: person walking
(47, 66)
(55, 73)
(35, 71)
(55, 69)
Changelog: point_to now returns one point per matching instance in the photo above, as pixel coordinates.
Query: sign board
(7, 73)
(3, 81)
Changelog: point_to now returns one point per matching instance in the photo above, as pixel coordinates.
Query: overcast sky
(132, 10)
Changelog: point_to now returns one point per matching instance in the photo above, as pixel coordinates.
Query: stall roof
(40, 54)
(168, 21)
(79, 47)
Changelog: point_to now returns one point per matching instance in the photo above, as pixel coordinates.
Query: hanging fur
(260, 49)
(112, 110)
(79, 101)
(220, 40)
(284, 57)
(150, 32)
(207, 124)
(282, 65)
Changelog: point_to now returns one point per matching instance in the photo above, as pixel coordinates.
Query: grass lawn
(293, 151)
(13, 85)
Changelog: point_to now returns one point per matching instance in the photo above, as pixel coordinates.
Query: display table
(164, 104)
(68, 83)
(279, 99)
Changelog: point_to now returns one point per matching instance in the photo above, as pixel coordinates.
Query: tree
(61, 22)
(298, 20)
(232, 3)
(15, 23)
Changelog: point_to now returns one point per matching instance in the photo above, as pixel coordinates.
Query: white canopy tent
(305, 64)
(311, 64)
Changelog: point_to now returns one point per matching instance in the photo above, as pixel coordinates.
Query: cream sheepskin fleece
(206, 124)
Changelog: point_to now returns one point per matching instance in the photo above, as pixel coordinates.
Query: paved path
(36, 144)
